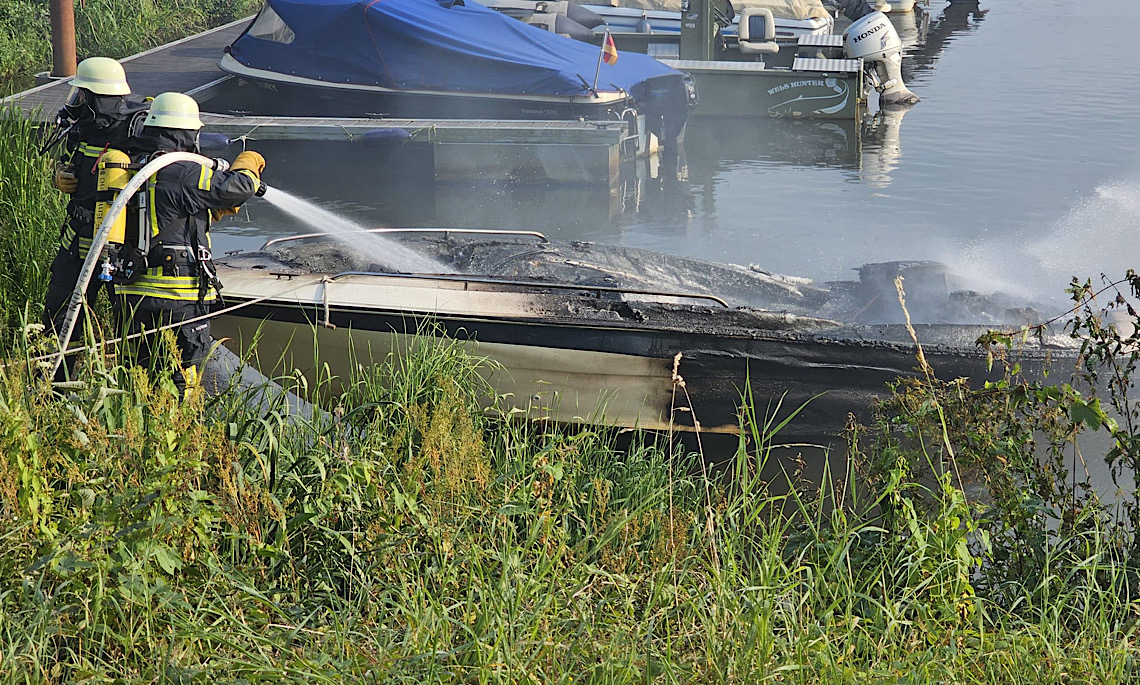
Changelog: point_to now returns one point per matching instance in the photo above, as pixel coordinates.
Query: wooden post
(63, 38)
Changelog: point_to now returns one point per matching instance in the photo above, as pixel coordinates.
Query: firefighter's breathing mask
(76, 102)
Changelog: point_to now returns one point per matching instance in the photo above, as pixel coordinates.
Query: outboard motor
(874, 40)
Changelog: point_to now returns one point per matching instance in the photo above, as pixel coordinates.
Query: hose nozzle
(261, 188)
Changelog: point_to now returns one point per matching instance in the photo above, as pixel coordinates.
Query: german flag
(609, 50)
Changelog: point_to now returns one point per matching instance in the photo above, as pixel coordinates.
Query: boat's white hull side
(538, 383)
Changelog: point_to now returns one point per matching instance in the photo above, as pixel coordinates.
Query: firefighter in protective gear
(180, 282)
(98, 117)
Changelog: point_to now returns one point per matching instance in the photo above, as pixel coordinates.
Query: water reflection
(784, 193)
(395, 186)
(882, 146)
(584, 213)
(932, 34)
(711, 144)
(867, 151)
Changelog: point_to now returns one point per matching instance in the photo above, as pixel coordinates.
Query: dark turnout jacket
(179, 199)
(109, 124)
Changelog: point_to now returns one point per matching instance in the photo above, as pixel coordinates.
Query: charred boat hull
(645, 378)
(586, 352)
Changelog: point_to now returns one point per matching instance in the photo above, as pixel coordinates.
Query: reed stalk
(31, 214)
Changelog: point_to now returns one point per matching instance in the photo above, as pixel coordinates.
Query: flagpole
(601, 53)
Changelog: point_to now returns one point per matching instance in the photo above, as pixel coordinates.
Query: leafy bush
(1053, 546)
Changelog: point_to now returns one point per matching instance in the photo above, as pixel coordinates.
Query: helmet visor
(75, 98)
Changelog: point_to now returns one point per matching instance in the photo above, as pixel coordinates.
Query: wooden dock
(571, 152)
(186, 66)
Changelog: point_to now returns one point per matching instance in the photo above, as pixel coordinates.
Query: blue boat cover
(426, 45)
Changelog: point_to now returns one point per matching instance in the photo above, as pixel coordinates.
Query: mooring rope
(203, 317)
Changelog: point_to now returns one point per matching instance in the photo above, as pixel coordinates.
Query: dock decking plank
(421, 130)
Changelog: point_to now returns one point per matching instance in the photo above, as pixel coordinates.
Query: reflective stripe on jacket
(154, 284)
(86, 142)
(180, 197)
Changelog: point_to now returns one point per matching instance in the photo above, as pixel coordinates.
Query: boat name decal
(816, 83)
(873, 29)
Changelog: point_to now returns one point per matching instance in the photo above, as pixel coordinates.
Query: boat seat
(756, 32)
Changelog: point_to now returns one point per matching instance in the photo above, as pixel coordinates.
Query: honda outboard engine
(874, 40)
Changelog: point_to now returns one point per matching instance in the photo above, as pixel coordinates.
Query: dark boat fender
(385, 137)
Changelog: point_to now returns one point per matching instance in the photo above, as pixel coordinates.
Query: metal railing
(445, 231)
(486, 280)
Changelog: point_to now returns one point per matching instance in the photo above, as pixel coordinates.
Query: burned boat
(591, 333)
(443, 60)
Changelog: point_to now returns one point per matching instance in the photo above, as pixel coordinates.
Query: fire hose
(99, 241)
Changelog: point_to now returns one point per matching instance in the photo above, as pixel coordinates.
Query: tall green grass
(406, 536)
(31, 214)
(109, 28)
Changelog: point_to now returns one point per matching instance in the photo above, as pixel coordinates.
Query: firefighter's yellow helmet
(101, 75)
(174, 110)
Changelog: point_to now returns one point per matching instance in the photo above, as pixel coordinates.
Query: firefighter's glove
(219, 214)
(249, 160)
(64, 180)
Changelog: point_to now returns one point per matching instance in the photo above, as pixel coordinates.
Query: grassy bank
(406, 537)
(110, 28)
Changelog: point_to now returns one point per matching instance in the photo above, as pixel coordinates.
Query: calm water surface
(1021, 166)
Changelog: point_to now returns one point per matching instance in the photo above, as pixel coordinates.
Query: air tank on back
(873, 39)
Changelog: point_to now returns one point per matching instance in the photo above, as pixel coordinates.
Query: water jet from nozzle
(379, 249)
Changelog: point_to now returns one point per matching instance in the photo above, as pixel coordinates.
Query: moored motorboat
(443, 60)
(660, 19)
(617, 336)
(762, 57)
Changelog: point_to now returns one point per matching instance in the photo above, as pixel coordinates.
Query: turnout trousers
(151, 313)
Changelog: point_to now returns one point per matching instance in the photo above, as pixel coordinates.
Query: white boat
(792, 18)
(599, 334)
(749, 57)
